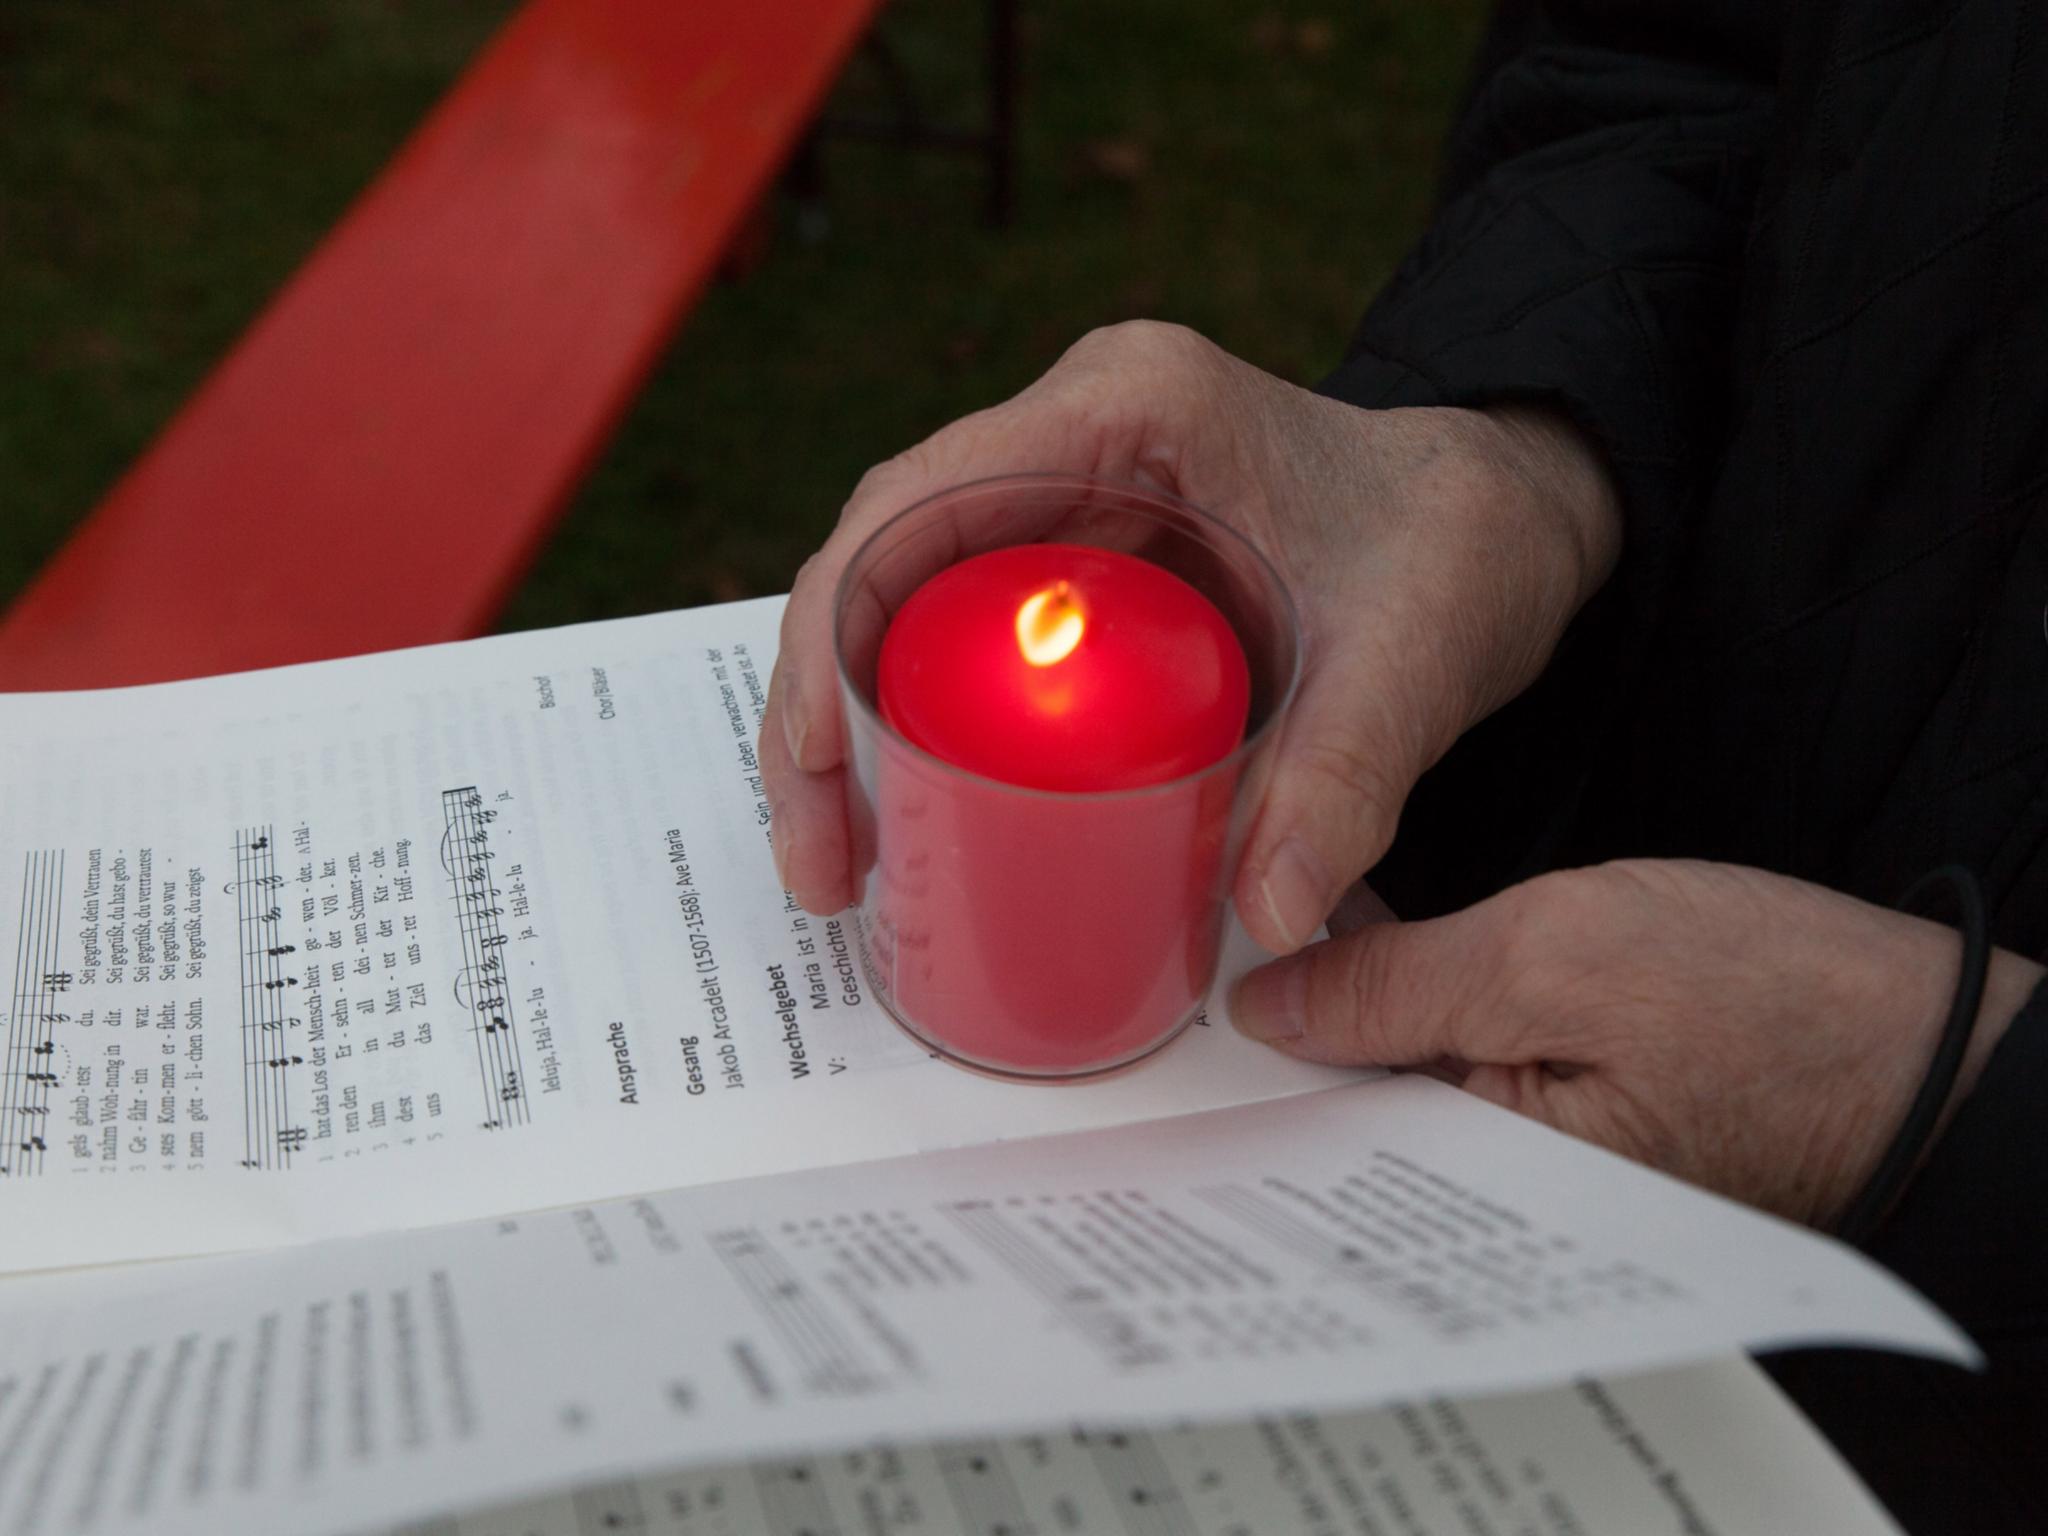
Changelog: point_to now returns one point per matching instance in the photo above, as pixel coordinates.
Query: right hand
(1436, 555)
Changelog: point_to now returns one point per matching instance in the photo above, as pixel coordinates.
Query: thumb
(1389, 994)
(1361, 732)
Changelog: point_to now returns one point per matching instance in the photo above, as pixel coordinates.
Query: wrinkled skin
(1437, 556)
(1753, 1034)
(1748, 1032)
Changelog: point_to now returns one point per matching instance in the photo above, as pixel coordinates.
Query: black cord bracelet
(1917, 1129)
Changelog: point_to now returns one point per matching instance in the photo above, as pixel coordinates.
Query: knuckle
(809, 578)
(882, 491)
(1144, 343)
(1358, 995)
(1354, 779)
(1615, 903)
(1528, 921)
(1359, 1006)
(1569, 960)
(873, 492)
(1523, 962)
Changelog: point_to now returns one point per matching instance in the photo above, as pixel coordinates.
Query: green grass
(1253, 170)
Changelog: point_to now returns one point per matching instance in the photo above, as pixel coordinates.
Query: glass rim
(1211, 526)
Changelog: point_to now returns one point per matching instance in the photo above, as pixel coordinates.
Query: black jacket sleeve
(1597, 190)
(1586, 255)
(1947, 1450)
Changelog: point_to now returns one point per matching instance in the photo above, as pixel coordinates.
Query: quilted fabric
(1787, 262)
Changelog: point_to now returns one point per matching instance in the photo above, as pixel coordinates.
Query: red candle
(1063, 667)
(1051, 933)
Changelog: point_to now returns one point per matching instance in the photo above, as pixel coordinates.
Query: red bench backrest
(378, 458)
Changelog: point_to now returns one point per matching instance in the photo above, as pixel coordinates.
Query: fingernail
(1271, 1003)
(778, 848)
(1294, 891)
(796, 722)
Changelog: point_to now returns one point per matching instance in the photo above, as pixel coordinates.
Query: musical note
(286, 1061)
(262, 1033)
(42, 1077)
(47, 1048)
(31, 1109)
(481, 986)
(57, 981)
(34, 1144)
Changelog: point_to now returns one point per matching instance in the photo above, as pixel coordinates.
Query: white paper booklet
(442, 934)
(1704, 1450)
(1382, 1241)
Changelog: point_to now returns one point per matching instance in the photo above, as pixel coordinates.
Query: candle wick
(1049, 625)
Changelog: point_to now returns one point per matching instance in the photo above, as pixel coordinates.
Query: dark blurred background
(1250, 168)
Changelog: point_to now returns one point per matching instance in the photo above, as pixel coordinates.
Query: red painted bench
(377, 460)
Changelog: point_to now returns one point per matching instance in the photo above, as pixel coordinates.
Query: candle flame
(1049, 625)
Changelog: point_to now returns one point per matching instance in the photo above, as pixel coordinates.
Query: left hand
(1748, 1032)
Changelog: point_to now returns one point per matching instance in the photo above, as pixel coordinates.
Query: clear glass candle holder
(1032, 932)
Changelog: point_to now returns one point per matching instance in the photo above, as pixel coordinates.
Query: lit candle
(1053, 933)
(1065, 667)
(1051, 750)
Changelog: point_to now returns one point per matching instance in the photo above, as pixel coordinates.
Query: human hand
(1751, 1033)
(1436, 555)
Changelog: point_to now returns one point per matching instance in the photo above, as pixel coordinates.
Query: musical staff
(793, 1498)
(1437, 1303)
(1096, 1312)
(483, 988)
(1132, 1468)
(984, 1494)
(269, 1139)
(604, 1508)
(35, 1009)
(827, 1360)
